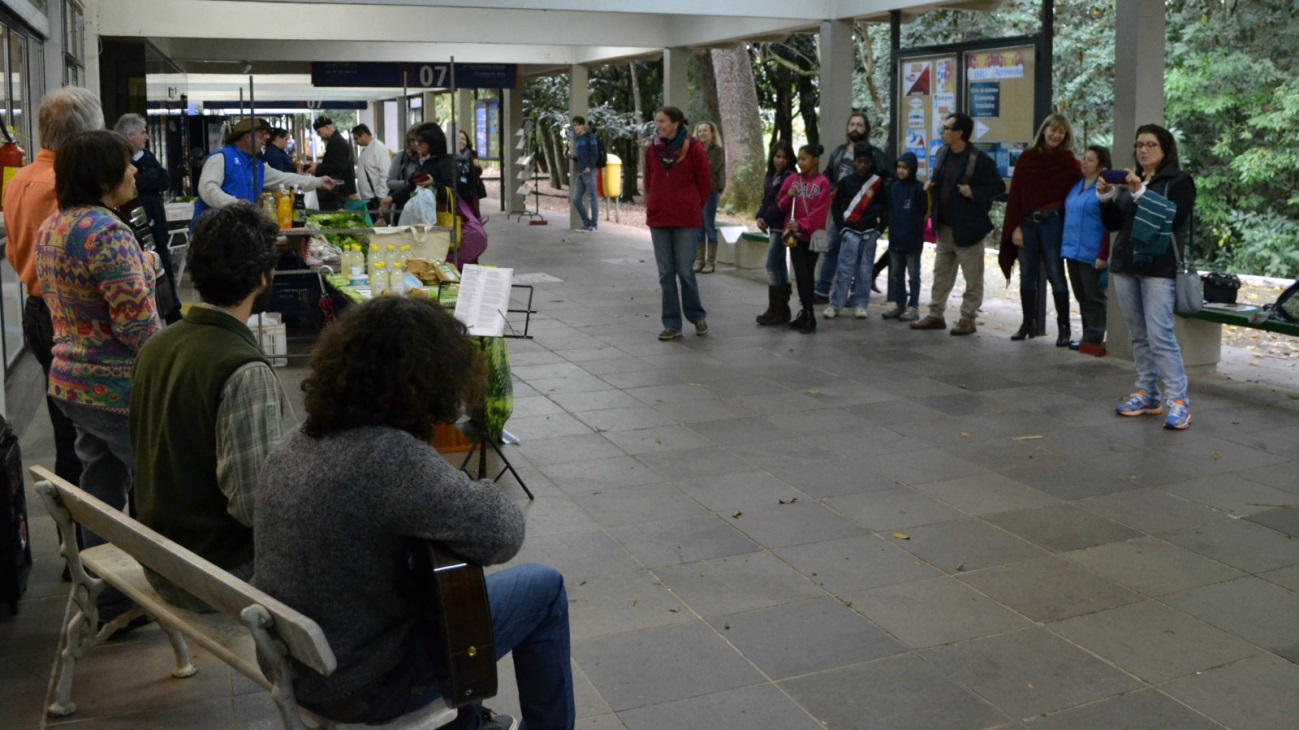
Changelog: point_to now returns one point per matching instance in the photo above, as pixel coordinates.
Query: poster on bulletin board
(1000, 96)
(928, 89)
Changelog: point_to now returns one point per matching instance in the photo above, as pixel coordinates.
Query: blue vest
(238, 182)
(1081, 239)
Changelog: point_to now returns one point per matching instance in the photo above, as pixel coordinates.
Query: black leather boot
(797, 322)
(809, 322)
(1027, 303)
(1062, 318)
(769, 317)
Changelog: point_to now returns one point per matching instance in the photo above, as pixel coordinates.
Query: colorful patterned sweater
(98, 285)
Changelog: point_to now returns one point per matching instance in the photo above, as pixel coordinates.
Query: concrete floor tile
(855, 564)
(625, 419)
(563, 449)
(727, 493)
(898, 693)
(1240, 543)
(655, 395)
(1260, 692)
(785, 453)
(694, 463)
(1048, 589)
(967, 544)
(548, 426)
(837, 477)
(595, 400)
(737, 709)
(934, 612)
(1151, 566)
(679, 541)
(1251, 608)
(1141, 710)
(640, 504)
(892, 509)
(796, 523)
(1062, 527)
(576, 554)
(1283, 520)
(616, 603)
(1030, 672)
(1150, 510)
(741, 431)
(703, 411)
(584, 477)
(740, 583)
(1233, 494)
(1153, 641)
(657, 439)
(1287, 578)
(987, 493)
(1279, 475)
(550, 515)
(922, 466)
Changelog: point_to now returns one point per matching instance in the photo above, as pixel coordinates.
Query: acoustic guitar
(133, 214)
(452, 597)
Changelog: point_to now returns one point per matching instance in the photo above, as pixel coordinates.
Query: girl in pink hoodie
(807, 194)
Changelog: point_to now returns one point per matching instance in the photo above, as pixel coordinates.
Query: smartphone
(1115, 177)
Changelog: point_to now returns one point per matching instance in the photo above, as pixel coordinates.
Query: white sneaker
(830, 313)
(860, 313)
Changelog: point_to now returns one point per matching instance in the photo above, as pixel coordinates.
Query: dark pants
(38, 330)
(1092, 299)
(804, 260)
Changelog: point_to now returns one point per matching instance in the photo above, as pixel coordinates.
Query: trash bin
(611, 177)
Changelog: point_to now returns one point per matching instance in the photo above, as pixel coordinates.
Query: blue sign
(415, 75)
(985, 99)
(304, 105)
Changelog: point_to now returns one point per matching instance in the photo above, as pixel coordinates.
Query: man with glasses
(964, 184)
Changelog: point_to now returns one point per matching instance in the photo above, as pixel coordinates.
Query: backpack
(1284, 309)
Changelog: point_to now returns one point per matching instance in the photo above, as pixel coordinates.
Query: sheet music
(484, 297)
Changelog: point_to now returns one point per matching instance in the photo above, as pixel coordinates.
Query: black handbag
(1220, 288)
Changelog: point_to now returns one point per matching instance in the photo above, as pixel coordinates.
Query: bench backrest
(216, 587)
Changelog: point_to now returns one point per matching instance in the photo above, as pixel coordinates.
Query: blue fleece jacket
(907, 206)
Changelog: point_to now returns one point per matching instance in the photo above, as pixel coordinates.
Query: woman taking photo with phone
(1143, 262)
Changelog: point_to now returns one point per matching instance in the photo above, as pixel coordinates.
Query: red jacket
(675, 198)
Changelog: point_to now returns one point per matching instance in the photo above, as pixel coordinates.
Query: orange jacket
(29, 200)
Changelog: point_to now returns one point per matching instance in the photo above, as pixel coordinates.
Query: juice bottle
(284, 209)
(378, 280)
(397, 281)
(355, 266)
(299, 207)
(268, 204)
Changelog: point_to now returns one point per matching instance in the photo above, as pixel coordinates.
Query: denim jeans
(777, 268)
(853, 273)
(1147, 306)
(1042, 248)
(584, 187)
(830, 261)
(530, 618)
(904, 269)
(708, 233)
(674, 252)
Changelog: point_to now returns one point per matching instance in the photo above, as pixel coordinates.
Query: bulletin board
(999, 88)
(928, 94)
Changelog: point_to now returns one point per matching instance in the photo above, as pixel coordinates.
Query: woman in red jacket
(678, 181)
(808, 195)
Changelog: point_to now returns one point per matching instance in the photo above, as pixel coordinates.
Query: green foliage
(744, 190)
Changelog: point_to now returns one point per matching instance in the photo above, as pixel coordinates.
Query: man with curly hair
(206, 407)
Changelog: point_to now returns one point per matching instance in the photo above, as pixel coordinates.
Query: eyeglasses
(1145, 145)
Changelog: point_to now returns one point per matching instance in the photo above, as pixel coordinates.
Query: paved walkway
(868, 527)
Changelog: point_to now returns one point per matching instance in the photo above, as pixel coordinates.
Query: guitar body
(455, 605)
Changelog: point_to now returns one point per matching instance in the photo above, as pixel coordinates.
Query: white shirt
(372, 170)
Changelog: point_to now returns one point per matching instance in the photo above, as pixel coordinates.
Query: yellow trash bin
(611, 177)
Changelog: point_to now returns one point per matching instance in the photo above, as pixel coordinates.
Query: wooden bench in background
(278, 632)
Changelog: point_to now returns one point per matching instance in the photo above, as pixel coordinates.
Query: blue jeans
(777, 268)
(584, 187)
(1042, 248)
(830, 261)
(674, 252)
(708, 233)
(853, 273)
(904, 266)
(1147, 306)
(529, 617)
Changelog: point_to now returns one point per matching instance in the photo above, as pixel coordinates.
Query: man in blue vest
(234, 173)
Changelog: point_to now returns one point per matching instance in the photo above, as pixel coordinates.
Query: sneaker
(701, 328)
(830, 313)
(860, 313)
(1140, 404)
(894, 313)
(666, 335)
(1179, 416)
(493, 721)
(910, 315)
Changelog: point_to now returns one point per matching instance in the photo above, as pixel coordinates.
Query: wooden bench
(278, 631)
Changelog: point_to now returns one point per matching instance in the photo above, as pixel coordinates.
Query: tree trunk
(708, 86)
(547, 150)
(561, 160)
(740, 120)
(631, 157)
(784, 126)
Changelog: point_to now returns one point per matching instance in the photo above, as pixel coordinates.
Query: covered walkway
(867, 527)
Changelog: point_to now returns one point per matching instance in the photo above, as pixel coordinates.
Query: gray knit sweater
(332, 519)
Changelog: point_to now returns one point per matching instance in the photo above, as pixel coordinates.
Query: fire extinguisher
(12, 157)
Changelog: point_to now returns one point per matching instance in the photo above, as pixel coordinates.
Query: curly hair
(399, 362)
(229, 251)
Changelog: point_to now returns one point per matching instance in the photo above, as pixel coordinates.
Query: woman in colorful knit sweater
(98, 285)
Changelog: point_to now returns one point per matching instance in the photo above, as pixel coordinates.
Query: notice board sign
(928, 94)
(1000, 96)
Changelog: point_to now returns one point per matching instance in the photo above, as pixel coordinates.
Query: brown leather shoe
(930, 322)
(964, 327)
(1095, 349)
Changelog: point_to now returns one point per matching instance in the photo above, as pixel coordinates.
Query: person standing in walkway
(275, 153)
(372, 164)
(677, 184)
(907, 207)
(29, 199)
(706, 256)
(860, 212)
(151, 182)
(1085, 248)
(337, 163)
(805, 198)
(964, 184)
(404, 164)
(840, 166)
(1034, 223)
(780, 165)
(586, 163)
(1144, 263)
(234, 173)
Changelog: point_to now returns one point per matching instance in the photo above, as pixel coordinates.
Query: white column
(836, 79)
(676, 89)
(578, 103)
(511, 123)
(465, 117)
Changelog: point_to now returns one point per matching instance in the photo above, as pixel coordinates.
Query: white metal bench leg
(184, 667)
(273, 652)
(79, 634)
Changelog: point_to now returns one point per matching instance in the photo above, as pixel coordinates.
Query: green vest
(179, 375)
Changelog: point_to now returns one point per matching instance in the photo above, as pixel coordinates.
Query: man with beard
(206, 406)
(841, 166)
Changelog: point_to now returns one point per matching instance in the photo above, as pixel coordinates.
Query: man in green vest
(206, 406)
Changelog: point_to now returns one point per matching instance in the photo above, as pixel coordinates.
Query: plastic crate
(269, 330)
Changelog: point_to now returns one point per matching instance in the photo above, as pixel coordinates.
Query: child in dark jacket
(860, 212)
(907, 205)
(772, 222)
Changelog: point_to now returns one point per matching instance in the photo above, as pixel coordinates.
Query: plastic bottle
(378, 280)
(355, 266)
(284, 209)
(376, 256)
(299, 207)
(268, 205)
(397, 281)
(400, 259)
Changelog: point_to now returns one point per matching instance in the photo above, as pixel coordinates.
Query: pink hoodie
(811, 206)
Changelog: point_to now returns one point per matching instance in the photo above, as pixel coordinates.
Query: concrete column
(836, 81)
(431, 112)
(676, 88)
(465, 117)
(511, 123)
(578, 104)
(403, 119)
(1139, 60)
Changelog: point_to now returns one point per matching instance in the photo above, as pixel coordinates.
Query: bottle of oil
(299, 207)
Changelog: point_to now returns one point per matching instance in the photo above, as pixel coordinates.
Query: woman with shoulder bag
(805, 198)
(1144, 264)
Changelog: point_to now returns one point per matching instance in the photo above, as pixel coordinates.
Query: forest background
(1231, 100)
